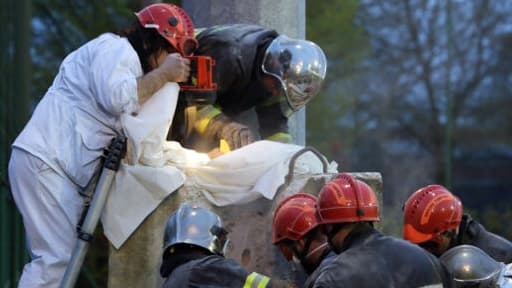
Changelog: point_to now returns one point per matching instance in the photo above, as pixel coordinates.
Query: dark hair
(147, 42)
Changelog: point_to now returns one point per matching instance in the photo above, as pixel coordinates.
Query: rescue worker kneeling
(194, 246)
(347, 208)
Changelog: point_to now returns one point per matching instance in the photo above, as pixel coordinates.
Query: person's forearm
(173, 69)
(148, 84)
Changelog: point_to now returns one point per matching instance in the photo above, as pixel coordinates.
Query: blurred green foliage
(332, 25)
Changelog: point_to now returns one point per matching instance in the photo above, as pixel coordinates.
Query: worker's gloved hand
(236, 134)
(175, 68)
(215, 126)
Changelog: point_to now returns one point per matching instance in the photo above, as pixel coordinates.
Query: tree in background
(60, 26)
(444, 94)
(332, 117)
(433, 82)
(438, 58)
(14, 92)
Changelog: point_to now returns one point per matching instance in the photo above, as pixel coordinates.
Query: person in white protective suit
(58, 151)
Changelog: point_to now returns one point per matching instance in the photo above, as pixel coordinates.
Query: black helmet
(471, 267)
(196, 226)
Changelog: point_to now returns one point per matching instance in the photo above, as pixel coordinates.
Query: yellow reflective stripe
(205, 115)
(255, 280)
(263, 281)
(280, 137)
(249, 280)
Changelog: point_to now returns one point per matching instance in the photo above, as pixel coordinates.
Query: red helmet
(173, 23)
(294, 217)
(346, 199)
(429, 212)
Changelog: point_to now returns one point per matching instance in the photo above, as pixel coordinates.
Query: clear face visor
(299, 65)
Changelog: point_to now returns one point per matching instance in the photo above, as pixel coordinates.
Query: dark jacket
(238, 51)
(473, 233)
(327, 259)
(370, 259)
(211, 271)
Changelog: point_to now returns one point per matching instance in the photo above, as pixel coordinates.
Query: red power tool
(198, 91)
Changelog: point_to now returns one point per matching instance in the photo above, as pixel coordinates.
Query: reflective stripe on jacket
(255, 280)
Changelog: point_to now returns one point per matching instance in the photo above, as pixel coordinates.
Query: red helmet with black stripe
(172, 23)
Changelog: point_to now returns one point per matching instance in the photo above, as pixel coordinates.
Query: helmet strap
(321, 246)
(303, 255)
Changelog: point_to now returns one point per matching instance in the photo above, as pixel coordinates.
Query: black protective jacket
(211, 271)
(238, 51)
(327, 259)
(370, 259)
(473, 233)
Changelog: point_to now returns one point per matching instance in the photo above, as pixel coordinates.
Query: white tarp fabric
(154, 168)
(250, 172)
(143, 180)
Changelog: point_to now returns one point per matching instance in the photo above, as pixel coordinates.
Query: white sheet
(251, 172)
(143, 180)
(154, 168)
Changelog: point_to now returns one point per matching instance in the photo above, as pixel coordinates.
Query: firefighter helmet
(471, 267)
(173, 23)
(294, 217)
(346, 199)
(429, 212)
(299, 65)
(196, 226)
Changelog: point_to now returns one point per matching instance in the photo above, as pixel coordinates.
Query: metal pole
(116, 152)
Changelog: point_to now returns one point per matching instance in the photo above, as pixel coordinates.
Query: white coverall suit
(57, 152)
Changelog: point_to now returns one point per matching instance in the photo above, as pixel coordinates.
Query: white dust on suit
(58, 150)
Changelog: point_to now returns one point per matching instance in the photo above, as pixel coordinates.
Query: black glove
(237, 135)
